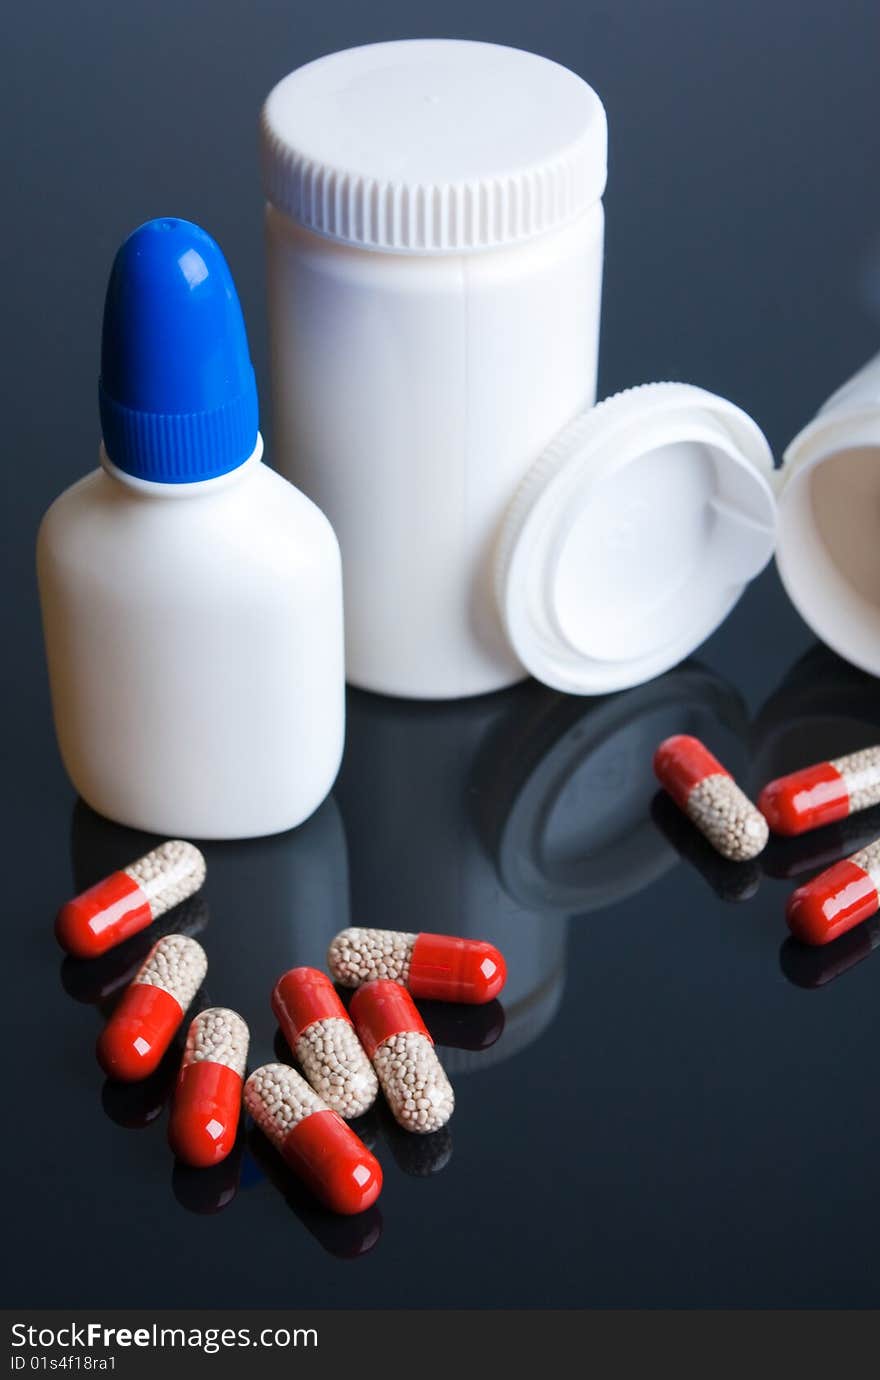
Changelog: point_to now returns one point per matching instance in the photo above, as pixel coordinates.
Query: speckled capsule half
(126, 902)
(434, 967)
(711, 799)
(838, 899)
(822, 794)
(395, 1037)
(207, 1100)
(151, 1010)
(323, 1040)
(313, 1140)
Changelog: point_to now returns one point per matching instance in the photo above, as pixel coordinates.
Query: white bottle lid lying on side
(828, 550)
(636, 532)
(633, 536)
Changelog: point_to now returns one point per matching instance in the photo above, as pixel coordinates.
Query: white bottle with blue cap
(192, 598)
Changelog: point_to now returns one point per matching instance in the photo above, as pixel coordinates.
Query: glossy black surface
(677, 1110)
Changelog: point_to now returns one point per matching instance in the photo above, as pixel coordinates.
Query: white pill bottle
(435, 232)
(435, 241)
(191, 597)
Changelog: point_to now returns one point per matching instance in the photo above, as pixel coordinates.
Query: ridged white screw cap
(433, 146)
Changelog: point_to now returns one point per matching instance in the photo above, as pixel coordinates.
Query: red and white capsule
(313, 1140)
(838, 899)
(150, 1012)
(435, 967)
(822, 794)
(402, 1052)
(322, 1037)
(207, 1100)
(711, 799)
(113, 910)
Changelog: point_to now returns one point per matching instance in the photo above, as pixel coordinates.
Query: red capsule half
(102, 917)
(205, 1113)
(805, 799)
(682, 762)
(139, 1033)
(381, 1009)
(832, 903)
(445, 968)
(302, 996)
(333, 1163)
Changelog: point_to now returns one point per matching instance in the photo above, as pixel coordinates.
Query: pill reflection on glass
(792, 857)
(208, 1190)
(137, 1105)
(344, 1237)
(808, 966)
(419, 1156)
(456, 1026)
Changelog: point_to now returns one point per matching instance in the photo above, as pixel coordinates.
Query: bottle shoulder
(262, 525)
(294, 506)
(73, 506)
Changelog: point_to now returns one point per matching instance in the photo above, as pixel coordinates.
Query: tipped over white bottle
(191, 597)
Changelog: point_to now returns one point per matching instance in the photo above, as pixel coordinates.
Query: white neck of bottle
(189, 490)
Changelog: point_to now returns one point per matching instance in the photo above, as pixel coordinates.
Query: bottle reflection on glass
(347, 1238)
(565, 806)
(502, 818)
(417, 861)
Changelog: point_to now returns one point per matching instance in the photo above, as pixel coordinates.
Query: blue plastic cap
(177, 390)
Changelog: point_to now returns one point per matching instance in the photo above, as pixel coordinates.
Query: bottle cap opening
(828, 552)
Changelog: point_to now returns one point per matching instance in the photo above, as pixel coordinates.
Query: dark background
(682, 1109)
